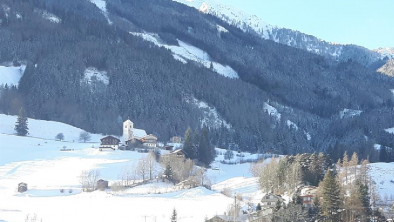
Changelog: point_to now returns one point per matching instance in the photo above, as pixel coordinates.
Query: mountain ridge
(290, 37)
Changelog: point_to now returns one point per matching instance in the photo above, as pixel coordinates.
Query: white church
(132, 134)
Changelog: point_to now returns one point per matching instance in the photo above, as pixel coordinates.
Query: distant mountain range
(293, 38)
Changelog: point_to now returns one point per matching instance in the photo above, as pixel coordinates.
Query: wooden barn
(22, 187)
(102, 185)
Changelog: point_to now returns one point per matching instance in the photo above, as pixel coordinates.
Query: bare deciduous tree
(88, 179)
(84, 136)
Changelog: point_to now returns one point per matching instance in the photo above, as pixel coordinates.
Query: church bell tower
(128, 127)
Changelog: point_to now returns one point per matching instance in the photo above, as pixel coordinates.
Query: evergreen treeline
(197, 146)
(147, 85)
(345, 190)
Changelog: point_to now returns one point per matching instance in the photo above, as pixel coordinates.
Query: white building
(130, 133)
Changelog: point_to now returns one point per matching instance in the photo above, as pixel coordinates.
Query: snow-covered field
(44, 129)
(11, 75)
(186, 52)
(383, 175)
(40, 163)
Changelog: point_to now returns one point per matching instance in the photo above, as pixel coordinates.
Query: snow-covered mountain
(293, 38)
(386, 52)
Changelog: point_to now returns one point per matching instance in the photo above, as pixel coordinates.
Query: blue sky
(369, 23)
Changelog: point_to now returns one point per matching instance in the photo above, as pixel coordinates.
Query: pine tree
(168, 172)
(331, 198)
(188, 146)
(21, 126)
(258, 207)
(174, 217)
(365, 199)
(383, 154)
(206, 153)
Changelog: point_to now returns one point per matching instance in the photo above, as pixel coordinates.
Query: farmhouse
(176, 139)
(149, 141)
(271, 200)
(307, 196)
(109, 142)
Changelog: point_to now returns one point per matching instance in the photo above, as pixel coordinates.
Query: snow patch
(308, 135)
(11, 75)
(221, 29)
(348, 113)
(211, 117)
(186, 52)
(92, 75)
(272, 111)
(51, 17)
(390, 130)
(102, 5)
(291, 125)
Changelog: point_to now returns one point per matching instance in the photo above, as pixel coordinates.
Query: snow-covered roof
(308, 190)
(139, 133)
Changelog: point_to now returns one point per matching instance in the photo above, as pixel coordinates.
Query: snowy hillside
(46, 170)
(186, 52)
(386, 52)
(11, 75)
(44, 129)
(382, 175)
(293, 38)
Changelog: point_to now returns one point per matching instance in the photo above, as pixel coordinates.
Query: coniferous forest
(154, 90)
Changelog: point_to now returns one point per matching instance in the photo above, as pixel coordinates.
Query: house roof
(241, 218)
(110, 137)
(150, 136)
(275, 198)
(310, 190)
(178, 151)
(139, 133)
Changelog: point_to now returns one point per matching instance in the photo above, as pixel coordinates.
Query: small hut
(22, 187)
(102, 185)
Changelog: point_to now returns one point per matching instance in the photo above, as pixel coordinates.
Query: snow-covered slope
(186, 52)
(44, 129)
(46, 170)
(293, 38)
(382, 175)
(102, 5)
(11, 75)
(388, 68)
(386, 52)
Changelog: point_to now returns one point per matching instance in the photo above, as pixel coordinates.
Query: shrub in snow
(227, 192)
